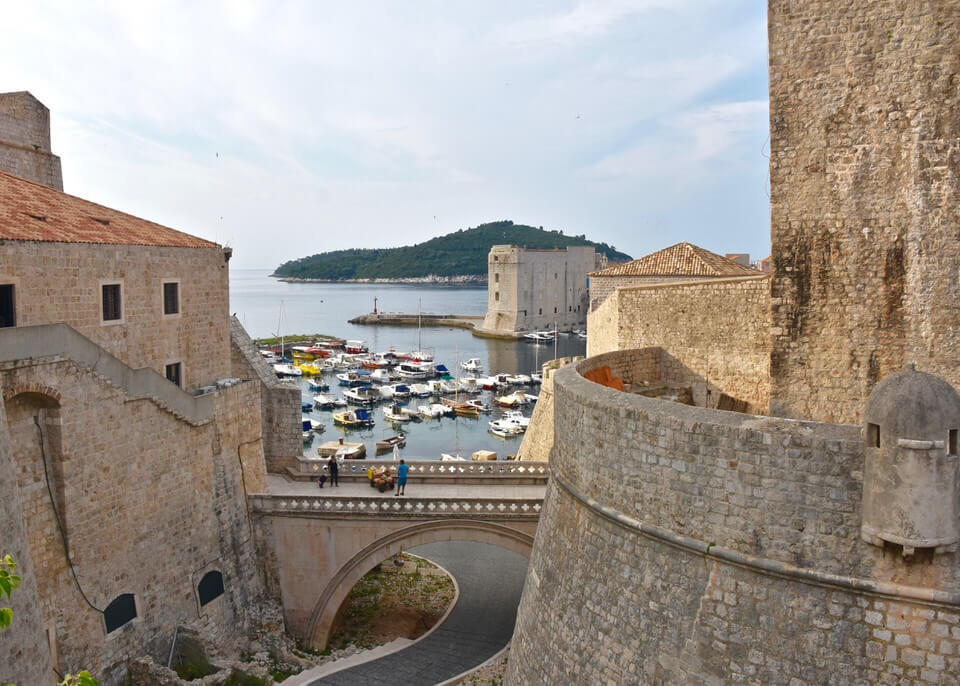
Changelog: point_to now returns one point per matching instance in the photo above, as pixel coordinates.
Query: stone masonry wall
(716, 333)
(730, 552)
(61, 282)
(24, 655)
(865, 199)
(279, 402)
(25, 140)
(601, 287)
(146, 504)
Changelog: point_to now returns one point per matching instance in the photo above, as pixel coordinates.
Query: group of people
(334, 469)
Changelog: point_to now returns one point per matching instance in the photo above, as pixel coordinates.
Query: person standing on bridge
(402, 477)
(334, 472)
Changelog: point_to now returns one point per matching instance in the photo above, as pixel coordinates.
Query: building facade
(528, 289)
(131, 430)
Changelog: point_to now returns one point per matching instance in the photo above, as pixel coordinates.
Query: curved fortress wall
(682, 545)
(864, 198)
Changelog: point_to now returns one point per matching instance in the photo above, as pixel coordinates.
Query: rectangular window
(171, 298)
(873, 435)
(496, 278)
(7, 312)
(952, 442)
(496, 296)
(173, 373)
(111, 302)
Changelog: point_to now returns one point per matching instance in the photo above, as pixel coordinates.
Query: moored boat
(397, 413)
(361, 395)
(388, 443)
(353, 418)
(474, 364)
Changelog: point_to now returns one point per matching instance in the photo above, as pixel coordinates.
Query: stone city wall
(601, 287)
(144, 502)
(61, 282)
(864, 199)
(731, 554)
(538, 438)
(24, 655)
(716, 332)
(279, 403)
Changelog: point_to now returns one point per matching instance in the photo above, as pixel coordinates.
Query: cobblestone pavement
(490, 580)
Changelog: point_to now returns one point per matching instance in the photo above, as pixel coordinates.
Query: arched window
(121, 610)
(210, 587)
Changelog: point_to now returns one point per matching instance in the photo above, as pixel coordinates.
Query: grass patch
(296, 338)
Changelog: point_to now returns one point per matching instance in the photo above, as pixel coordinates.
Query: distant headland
(456, 258)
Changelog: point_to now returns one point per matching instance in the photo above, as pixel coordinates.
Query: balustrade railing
(487, 508)
(427, 468)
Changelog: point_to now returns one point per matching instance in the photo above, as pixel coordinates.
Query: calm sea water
(325, 308)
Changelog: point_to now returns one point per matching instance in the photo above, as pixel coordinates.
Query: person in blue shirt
(402, 477)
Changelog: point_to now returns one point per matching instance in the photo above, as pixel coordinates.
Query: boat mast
(419, 344)
(554, 339)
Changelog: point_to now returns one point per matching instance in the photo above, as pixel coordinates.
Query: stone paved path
(490, 580)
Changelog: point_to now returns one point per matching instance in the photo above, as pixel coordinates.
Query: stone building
(681, 262)
(814, 539)
(25, 140)
(531, 289)
(132, 427)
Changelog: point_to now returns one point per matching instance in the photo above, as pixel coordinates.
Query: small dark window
(171, 298)
(952, 442)
(554, 310)
(496, 296)
(173, 372)
(111, 302)
(210, 587)
(7, 312)
(121, 610)
(496, 278)
(873, 435)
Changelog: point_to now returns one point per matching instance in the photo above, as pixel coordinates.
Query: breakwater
(460, 321)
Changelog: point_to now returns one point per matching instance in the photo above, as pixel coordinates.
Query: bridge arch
(434, 531)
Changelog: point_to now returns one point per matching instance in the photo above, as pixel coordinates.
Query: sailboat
(284, 368)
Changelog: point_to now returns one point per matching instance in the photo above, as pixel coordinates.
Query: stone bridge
(319, 542)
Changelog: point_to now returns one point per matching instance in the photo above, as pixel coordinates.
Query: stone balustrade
(393, 507)
(513, 473)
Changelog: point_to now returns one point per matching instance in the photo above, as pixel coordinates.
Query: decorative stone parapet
(432, 470)
(393, 507)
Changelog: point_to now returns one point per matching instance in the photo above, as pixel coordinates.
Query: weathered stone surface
(716, 333)
(25, 140)
(865, 199)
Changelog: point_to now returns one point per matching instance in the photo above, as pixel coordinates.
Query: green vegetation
(457, 254)
(295, 338)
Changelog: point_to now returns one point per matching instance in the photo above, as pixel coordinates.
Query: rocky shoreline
(464, 279)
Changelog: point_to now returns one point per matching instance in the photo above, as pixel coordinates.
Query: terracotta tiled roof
(682, 259)
(34, 212)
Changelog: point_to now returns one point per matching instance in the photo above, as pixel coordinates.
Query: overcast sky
(285, 129)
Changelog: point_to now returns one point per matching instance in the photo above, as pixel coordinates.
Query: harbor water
(269, 307)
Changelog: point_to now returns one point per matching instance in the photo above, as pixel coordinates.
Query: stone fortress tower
(864, 199)
(813, 542)
(25, 140)
(531, 289)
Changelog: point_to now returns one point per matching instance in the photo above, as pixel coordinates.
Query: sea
(269, 307)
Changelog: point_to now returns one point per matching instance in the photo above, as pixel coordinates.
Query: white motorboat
(415, 371)
(361, 395)
(474, 364)
(429, 411)
(536, 377)
(515, 399)
(470, 385)
(479, 404)
(520, 380)
(539, 337)
(396, 413)
(420, 390)
(505, 428)
(381, 375)
(284, 369)
(447, 457)
(395, 391)
(517, 417)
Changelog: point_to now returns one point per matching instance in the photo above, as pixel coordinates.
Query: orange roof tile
(33, 212)
(682, 259)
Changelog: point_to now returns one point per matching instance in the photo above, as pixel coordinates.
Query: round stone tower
(911, 475)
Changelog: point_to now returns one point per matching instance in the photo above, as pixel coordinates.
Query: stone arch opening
(335, 592)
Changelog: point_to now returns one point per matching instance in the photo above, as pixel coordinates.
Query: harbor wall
(729, 552)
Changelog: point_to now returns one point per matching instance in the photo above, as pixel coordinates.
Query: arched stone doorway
(335, 592)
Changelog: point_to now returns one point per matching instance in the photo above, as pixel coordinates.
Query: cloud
(312, 127)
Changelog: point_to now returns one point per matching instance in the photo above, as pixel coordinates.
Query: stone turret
(911, 475)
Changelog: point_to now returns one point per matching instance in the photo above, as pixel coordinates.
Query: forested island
(456, 257)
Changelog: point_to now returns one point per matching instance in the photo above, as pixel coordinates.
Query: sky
(285, 129)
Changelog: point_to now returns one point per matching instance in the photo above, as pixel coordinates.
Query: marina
(327, 308)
